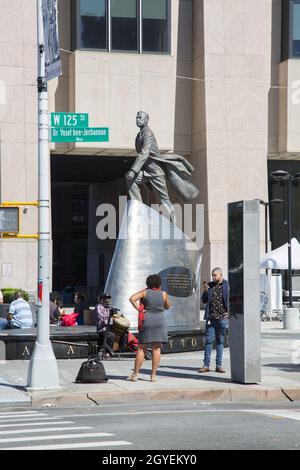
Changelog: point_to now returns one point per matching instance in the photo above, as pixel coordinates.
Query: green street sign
(69, 120)
(89, 134)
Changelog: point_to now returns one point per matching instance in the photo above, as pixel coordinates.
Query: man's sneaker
(204, 369)
(220, 369)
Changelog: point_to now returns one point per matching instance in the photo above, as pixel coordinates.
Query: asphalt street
(152, 426)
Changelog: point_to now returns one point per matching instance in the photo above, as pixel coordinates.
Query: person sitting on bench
(19, 314)
(103, 316)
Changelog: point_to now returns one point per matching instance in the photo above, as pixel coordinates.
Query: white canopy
(278, 259)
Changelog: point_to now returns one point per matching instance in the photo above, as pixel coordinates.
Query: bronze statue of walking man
(153, 169)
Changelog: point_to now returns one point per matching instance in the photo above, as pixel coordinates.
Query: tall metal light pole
(43, 371)
(268, 271)
(289, 221)
(267, 206)
(282, 175)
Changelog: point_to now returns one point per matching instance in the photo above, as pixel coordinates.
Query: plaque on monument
(178, 281)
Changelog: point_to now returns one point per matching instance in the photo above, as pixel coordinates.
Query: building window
(290, 46)
(124, 26)
(141, 26)
(296, 29)
(155, 25)
(93, 24)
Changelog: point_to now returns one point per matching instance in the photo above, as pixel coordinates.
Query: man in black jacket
(215, 296)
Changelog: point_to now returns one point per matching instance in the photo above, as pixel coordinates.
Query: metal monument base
(149, 243)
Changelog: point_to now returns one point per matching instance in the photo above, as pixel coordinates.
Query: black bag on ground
(91, 372)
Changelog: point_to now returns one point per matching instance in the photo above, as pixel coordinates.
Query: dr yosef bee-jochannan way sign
(89, 134)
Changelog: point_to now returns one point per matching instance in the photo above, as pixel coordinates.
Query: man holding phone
(215, 296)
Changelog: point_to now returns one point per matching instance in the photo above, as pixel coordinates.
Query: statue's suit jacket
(175, 167)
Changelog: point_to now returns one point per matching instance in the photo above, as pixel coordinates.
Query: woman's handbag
(69, 319)
(91, 371)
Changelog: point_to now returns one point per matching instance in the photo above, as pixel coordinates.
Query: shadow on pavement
(194, 369)
(206, 377)
(17, 387)
(285, 367)
(125, 377)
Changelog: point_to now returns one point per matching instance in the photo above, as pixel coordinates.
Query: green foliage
(8, 295)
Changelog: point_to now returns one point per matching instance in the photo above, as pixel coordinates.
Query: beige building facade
(220, 84)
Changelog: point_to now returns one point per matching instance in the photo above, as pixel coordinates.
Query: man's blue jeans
(5, 324)
(215, 329)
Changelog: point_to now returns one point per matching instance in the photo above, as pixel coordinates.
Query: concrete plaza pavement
(178, 378)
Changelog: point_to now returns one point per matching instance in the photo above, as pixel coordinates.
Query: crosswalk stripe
(80, 445)
(11, 425)
(18, 413)
(160, 412)
(41, 430)
(58, 437)
(24, 417)
(289, 414)
(27, 420)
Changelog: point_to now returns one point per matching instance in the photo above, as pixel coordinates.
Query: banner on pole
(40, 293)
(51, 39)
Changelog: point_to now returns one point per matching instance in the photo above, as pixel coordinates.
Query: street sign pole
(43, 371)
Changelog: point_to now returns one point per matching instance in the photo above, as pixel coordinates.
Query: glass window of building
(290, 34)
(93, 24)
(124, 25)
(285, 29)
(296, 29)
(155, 25)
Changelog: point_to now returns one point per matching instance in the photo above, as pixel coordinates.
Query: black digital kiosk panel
(243, 276)
(235, 258)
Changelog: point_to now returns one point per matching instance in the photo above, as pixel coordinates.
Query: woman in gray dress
(153, 331)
